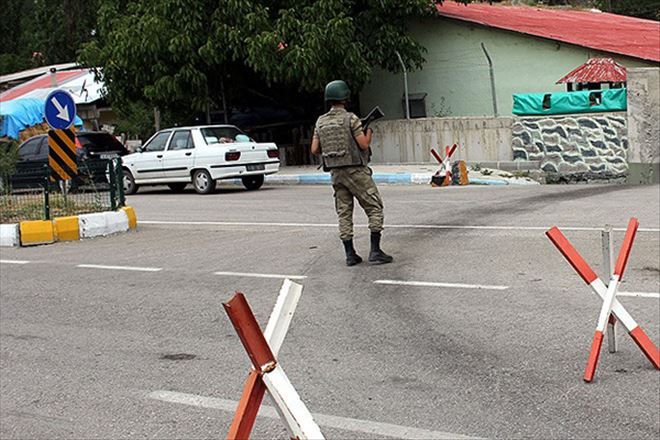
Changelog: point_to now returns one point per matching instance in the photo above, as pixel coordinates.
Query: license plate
(256, 167)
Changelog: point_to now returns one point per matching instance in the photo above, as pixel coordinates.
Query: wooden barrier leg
(248, 407)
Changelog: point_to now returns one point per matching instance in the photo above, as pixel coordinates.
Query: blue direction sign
(60, 110)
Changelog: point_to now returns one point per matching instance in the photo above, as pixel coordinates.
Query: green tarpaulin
(585, 101)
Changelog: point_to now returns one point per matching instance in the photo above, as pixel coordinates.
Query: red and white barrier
(608, 294)
(445, 163)
(267, 373)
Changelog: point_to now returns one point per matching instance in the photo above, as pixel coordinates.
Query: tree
(649, 9)
(638, 8)
(8, 159)
(37, 32)
(184, 55)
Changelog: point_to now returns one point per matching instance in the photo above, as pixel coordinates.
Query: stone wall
(579, 147)
(644, 124)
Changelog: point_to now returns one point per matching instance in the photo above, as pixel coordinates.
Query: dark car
(90, 145)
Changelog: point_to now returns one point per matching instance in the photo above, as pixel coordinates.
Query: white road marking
(354, 425)
(334, 225)
(132, 268)
(640, 294)
(430, 284)
(260, 275)
(192, 223)
(14, 262)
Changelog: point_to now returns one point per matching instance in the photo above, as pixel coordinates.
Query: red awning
(41, 82)
(611, 33)
(596, 70)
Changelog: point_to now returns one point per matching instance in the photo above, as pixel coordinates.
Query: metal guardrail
(30, 194)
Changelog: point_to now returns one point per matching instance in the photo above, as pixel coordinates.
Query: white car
(199, 155)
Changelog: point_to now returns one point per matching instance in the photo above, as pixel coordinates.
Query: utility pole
(157, 118)
(492, 79)
(405, 83)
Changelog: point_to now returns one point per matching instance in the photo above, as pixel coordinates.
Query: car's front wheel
(253, 182)
(203, 182)
(177, 187)
(130, 187)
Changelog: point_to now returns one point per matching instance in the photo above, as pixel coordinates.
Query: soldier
(344, 150)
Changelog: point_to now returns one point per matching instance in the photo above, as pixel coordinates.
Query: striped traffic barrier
(62, 157)
(444, 176)
(445, 163)
(611, 305)
(267, 374)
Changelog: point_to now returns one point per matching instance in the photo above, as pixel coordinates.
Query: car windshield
(221, 135)
(100, 142)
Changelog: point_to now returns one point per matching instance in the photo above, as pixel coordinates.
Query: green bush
(8, 159)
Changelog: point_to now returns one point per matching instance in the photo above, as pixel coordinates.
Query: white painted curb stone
(283, 179)
(9, 235)
(117, 221)
(93, 225)
(421, 178)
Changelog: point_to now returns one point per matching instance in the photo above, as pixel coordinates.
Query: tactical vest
(338, 146)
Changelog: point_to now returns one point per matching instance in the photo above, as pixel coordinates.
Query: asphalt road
(496, 349)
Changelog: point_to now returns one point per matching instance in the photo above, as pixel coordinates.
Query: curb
(71, 228)
(10, 235)
(383, 178)
(324, 179)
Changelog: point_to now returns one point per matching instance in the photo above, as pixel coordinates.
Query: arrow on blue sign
(60, 110)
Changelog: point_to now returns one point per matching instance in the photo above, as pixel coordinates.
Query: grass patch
(30, 206)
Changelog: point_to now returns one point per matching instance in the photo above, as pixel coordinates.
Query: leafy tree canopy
(638, 8)
(40, 32)
(182, 54)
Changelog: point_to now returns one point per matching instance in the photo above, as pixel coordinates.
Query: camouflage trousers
(356, 182)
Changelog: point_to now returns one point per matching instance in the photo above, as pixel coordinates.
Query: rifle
(374, 114)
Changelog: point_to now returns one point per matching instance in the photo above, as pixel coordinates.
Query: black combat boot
(377, 256)
(352, 258)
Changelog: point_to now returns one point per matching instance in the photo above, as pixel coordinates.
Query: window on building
(547, 101)
(417, 102)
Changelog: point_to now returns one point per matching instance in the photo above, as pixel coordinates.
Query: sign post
(60, 111)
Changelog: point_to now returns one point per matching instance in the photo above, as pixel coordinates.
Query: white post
(280, 318)
(290, 407)
(405, 84)
(292, 410)
(608, 266)
(53, 77)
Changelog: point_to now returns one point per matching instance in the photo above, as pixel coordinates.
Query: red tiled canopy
(596, 70)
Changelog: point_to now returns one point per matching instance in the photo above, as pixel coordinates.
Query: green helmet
(337, 91)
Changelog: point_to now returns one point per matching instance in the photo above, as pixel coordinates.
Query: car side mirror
(140, 149)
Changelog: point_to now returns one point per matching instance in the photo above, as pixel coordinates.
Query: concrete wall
(644, 124)
(579, 147)
(455, 75)
(480, 139)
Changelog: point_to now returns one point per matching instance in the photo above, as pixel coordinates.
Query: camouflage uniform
(355, 182)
